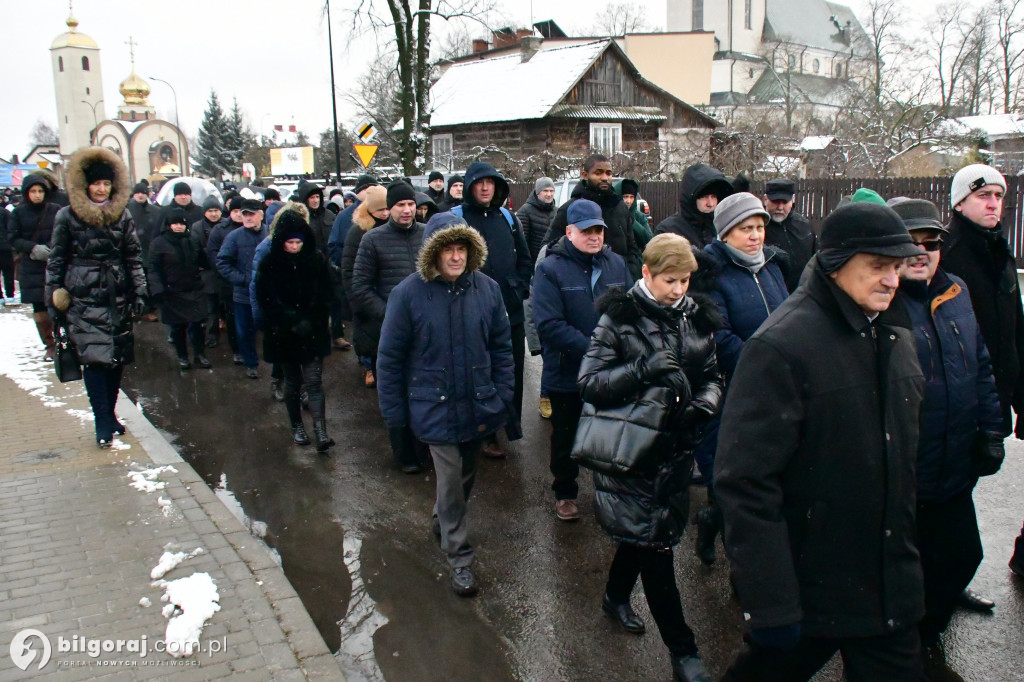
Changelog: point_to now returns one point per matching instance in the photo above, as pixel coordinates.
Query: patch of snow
(191, 602)
(145, 602)
(170, 560)
(146, 480)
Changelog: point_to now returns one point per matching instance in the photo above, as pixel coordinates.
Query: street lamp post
(334, 93)
(182, 157)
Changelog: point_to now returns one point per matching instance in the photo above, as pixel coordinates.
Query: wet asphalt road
(354, 538)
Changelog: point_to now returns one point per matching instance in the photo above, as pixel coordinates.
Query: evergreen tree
(238, 138)
(213, 159)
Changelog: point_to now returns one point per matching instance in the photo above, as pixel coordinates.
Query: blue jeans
(245, 329)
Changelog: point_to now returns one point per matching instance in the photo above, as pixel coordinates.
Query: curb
(303, 637)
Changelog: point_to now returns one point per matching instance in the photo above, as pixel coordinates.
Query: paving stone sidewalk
(78, 543)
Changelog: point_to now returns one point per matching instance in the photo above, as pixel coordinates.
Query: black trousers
(655, 568)
(102, 384)
(308, 375)
(196, 334)
(565, 417)
(7, 272)
(893, 658)
(950, 546)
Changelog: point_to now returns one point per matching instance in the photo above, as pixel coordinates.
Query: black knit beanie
(400, 191)
(99, 171)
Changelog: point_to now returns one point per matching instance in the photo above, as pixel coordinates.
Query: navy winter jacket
(565, 287)
(444, 365)
(744, 299)
(234, 260)
(960, 394)
(339, 230)
(509, 262)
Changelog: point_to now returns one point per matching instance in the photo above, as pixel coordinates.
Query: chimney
(529, 46)
(479, 45)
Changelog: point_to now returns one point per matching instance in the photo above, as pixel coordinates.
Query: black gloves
(657, 365)
(987, 454)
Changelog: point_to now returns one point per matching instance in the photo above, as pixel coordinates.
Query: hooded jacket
(699, 228)
(386, 256)
(174, 269)
(815, 467)
(535, 216)
(426, 200)
(294, 294)
(508, 256)
(31, 224)
(744, 299)
(985, 262)
(97, 258)
(321, 220)
(147, 222)
(262, 249)
(618, 233)
(445, 362)
(649, 507)
(566, 286)
(193, 210)
(960, 396)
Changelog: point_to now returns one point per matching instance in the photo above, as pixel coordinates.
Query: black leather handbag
(65, 361)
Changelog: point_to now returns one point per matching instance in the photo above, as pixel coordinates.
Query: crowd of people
(838, 391)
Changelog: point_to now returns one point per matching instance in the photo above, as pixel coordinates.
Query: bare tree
(884, 44)
(1010, 51)
(620, 18)
(43, 133)
(950, 46)
(407, 24)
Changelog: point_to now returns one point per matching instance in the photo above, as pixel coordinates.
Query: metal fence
(817, 198)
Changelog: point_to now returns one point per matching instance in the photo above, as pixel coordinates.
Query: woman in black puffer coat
(97, 262)
(294, 290)
(30, 228)
(656, 337)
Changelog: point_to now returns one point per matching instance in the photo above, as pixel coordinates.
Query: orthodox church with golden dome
(151, 148)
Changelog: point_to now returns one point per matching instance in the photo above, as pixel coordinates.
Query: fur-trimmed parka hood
(627, 307)
(77, 187)
(444, 229)
(301, 209)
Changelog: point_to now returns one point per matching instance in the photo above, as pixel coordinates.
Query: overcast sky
(269, 54)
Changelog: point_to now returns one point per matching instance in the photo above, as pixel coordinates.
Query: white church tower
(78, 85)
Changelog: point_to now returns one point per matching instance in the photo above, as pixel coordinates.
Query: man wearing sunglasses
(961, 426)
(977, 251)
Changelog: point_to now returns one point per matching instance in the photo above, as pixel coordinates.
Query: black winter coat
(535, 216)
(508, 256)
(30, 225)
(193, 213)
(794, 237)
(174, 269)
(218, 234)
(386, 256)
(618, 233)
(984, 260)
(650, 507)
(699, 228)
(97, 258)
(294, 292)
(5, 241)
(815, 468)
(147, 222)
(201, 231)
(960, 396)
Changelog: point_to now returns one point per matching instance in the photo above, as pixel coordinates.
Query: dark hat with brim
(918, 214)
(867, 227)
(251, 206)
(780, 189)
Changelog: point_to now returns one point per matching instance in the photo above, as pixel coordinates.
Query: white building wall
(679, 17)
(77, 92)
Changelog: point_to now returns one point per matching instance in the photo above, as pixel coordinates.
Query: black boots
(709, 526)
(323, 441)
(690, 669)
(299, 434)
(624, 614)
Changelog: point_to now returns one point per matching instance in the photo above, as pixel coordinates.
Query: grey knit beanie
(971, 178)
(543, 184)
(736, 208)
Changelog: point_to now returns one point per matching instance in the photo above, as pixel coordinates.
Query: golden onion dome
(73, 38)
(134, 89)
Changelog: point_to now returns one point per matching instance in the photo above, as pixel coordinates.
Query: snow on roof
(816, 142)
(994, 125)
(508, 89)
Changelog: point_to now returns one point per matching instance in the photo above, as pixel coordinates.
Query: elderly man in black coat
(815, 467)
(788, 230)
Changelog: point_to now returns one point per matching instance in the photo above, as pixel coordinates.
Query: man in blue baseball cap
(579, 267)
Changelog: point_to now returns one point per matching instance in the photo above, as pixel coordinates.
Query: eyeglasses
(930, 244)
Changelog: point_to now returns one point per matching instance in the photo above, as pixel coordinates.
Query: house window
(85, 63)
(748, 10)
(698, 15)
(839, 70)
(816, 66)
(60, 64)
(87, 91)
(441, 145)
(606, 138)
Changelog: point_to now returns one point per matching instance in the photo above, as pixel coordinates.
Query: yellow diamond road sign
(365, 152)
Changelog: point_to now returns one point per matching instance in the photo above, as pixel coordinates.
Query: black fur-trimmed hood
(623, 307)
(77, 187)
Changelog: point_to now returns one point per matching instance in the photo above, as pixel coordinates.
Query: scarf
(753, 263)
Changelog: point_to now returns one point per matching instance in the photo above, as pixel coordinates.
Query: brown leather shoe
(369, 380)
(493, 450)
(566, 510)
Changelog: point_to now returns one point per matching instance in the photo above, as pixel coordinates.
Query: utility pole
(334, 93)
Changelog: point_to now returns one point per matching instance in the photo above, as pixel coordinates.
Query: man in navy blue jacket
(960, 415)
(577, 270)
(234, 263)
(444, 369)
